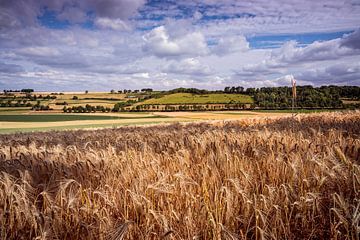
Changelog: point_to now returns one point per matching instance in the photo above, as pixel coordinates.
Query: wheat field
(285, 178)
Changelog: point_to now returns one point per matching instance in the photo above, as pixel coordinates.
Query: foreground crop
(287, 178)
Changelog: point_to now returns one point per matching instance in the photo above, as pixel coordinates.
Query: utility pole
(293, 83)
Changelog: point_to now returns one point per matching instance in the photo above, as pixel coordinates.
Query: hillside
(189, 98)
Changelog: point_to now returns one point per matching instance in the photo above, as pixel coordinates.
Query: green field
(60, 117)
(188, 98)
(75, 127)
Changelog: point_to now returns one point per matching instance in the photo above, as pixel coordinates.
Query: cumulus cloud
(20, 13)
(352, 40)
(230, 45)
(290, 52)
(166, 44)
(340, 73)
(161, 44)
(189, 66)
(295, 56)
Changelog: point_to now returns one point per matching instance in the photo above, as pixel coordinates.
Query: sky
(98, 45)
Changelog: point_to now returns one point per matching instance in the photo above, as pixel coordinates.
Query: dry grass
(287, 178)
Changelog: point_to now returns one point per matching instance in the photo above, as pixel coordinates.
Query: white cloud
(114, 24)
(291, 57)
(230, 45)
(159, 43)
(233, 17)
(39, 52)
(206, 48)
(17, 13)
(188, 66)
(142, 75)
(338, 73)
(317, 51)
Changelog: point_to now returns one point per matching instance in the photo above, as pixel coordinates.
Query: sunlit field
(294, 177)
(188, 98)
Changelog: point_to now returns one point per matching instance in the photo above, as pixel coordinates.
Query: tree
(75, 98)
(112, 91)
(239, 89)
(146, 90)
(86, 91)
(250, 91)
(27, 90)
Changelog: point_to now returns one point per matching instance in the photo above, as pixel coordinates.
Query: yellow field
(136, 119)
(221, 115)
(69, 96)
(293, 177)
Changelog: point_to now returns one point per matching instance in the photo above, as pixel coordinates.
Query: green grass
(74, 127)
(60, 117)
(14, 109)
(188, 98)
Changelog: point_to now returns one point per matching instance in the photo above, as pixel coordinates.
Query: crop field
(82, 95)
(24, 122)
(13, 120)
(188, 98)
(292, 177)
(52, 117)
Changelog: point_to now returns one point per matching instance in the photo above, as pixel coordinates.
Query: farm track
(259, 178)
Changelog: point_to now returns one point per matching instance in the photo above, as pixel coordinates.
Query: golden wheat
(286, 178)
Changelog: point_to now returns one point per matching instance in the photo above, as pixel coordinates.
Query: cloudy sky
(73, 45)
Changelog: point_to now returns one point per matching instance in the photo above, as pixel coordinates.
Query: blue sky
(101, 45)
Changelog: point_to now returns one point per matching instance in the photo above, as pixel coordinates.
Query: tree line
(307, 96)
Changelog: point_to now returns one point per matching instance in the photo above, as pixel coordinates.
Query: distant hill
(189, 98)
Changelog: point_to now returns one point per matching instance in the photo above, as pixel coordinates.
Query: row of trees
(87, 109)
(307, 97)
(29, 97)
(39, 107)
(207, 107)
(25, 103)
(18, 103)
(237, 89)
(24, 90)
(352, 92)
(144, 90)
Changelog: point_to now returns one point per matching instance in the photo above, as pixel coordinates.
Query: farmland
(255, 178)
(185, 99)
(24, 122)
(188, 98)
(54, 118)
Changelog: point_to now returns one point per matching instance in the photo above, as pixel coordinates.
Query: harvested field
(281, 178)
(222, 115)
